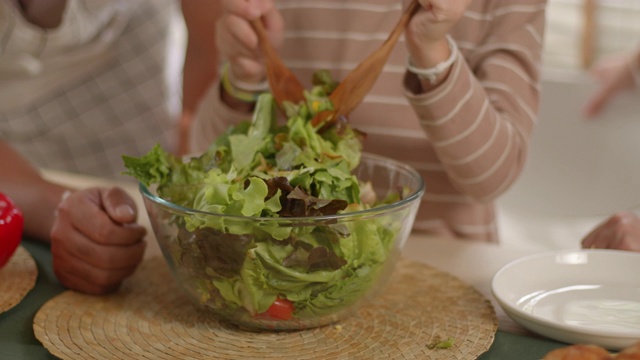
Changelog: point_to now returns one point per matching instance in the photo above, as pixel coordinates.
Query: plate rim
(509, 308)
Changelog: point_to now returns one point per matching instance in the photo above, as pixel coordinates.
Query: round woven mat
(150, 318)
(17, 278)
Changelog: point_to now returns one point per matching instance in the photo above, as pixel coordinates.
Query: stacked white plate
(574, 296)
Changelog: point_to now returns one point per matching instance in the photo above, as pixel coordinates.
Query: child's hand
(614, 75)
(238, 42)
(621, 231)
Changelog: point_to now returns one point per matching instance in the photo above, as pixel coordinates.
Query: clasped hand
(95, 241)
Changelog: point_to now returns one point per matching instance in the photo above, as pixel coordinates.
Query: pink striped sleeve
(480, 119)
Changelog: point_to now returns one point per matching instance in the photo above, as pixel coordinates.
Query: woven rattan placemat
(17, 278)
(150, 318)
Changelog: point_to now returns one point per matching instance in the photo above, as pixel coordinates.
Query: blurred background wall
(580, 31)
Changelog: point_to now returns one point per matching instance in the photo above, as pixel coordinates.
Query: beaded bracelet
(433, 73)
(240, 90)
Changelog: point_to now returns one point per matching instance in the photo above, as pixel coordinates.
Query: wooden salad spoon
(284, 85)
(355, 86)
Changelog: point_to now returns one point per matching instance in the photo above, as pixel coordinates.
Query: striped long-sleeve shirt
(468, 137)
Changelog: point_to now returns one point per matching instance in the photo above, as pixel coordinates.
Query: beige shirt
(104, 83)
(468, 137)
(35, 62)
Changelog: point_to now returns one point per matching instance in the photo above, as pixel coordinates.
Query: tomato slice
(281, 309)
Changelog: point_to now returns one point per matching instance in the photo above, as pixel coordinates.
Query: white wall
(617, 29)
(578, 172)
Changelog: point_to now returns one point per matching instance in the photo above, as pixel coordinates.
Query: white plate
(574, 296)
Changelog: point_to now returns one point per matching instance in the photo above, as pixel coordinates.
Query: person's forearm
(200, 70)
(480, 119)
(201, 61)
(36, 197)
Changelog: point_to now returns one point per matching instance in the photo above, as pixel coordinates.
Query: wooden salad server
(284, 85)
(355, 86)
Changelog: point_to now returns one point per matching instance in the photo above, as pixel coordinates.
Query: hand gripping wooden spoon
(284, 85)
(355, 86)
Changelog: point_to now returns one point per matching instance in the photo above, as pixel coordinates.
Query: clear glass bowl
(238, 270)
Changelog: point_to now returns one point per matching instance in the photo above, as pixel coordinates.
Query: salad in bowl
(280, 226)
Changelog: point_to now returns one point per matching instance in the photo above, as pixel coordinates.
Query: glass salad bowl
(286, 273)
